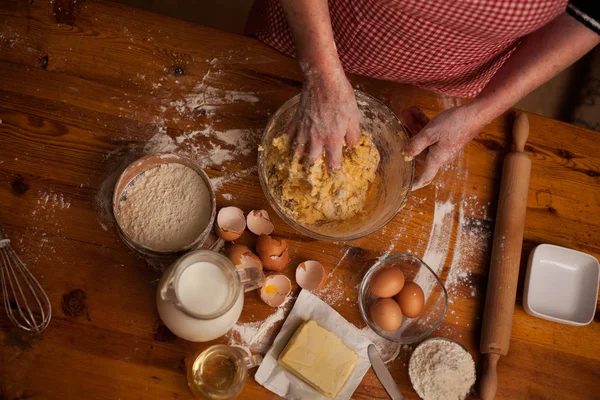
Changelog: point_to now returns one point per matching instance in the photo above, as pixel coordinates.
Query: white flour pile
(166, 208)
(441, 370)
(258, 336)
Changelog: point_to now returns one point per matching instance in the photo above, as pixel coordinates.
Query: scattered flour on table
(223, 146)
(184, 118)
(42, 241)
(51, 198)
(219, 181)
(439, 244)
(258, 336)
(166, 208)
(472, 240)
(393, 242)
(441, 370)
(387, 349)
(333, 289)
(207, 99)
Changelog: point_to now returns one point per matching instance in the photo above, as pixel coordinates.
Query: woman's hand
(327, 113)
(438, 141)
(326, 117)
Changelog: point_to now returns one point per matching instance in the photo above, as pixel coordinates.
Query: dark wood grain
(84, 85)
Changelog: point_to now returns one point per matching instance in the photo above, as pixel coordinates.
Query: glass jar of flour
(200, 297)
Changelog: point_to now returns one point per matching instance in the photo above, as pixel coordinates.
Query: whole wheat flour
(441, 370)
(166, 208)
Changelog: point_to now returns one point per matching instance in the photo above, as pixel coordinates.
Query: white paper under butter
(282, 382)
(319, 358)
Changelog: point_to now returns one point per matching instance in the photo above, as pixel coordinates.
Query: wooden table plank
(87, 86)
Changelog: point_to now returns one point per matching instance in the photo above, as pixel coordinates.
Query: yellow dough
(313, 194)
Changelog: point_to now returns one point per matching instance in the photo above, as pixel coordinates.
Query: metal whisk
(30, 307)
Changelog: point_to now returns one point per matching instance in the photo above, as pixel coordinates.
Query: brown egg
(411, 299)
(386, 314)
(270, 245)
(240, 255)
(275, 263)
(386, 282)
(273, 252)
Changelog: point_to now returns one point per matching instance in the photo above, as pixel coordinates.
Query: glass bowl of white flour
(164, 205)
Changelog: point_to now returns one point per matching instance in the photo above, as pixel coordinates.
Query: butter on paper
(282, 382)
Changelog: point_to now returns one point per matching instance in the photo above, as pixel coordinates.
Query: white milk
(203, 288)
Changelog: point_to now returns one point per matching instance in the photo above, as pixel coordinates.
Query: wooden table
(87, 86)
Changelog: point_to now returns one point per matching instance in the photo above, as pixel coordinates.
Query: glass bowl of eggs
(402, 299)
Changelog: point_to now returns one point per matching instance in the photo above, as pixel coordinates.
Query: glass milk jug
(200, 297)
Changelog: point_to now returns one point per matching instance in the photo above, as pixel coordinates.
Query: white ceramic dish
(561, 285)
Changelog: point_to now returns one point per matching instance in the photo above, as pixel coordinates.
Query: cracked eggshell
(241, 255)
(259, 222)
(276, 289)
(275, 263)
(270, 246)
(310, 275)
(235, 251)
(230, 223)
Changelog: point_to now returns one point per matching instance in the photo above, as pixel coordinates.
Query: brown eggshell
(411, 299)
(386, 314)
(275, 263)
(270, 245)
(230, 223)
(310, 275)
(241, 255)
(250, 258)
(259, 222)
(235, 251)
(276, 289)
(386, 282)
(227, 235)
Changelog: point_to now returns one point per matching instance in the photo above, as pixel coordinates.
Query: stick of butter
(319, 358)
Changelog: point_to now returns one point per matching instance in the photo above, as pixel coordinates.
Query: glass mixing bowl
(416, 329)
(389, 136)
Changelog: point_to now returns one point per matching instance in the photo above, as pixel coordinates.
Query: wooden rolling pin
(506, 257)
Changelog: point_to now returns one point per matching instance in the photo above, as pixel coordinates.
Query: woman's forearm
(310, 24)
(327, 117)
(541, 56)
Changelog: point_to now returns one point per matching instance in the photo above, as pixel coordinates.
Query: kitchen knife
(383, 374)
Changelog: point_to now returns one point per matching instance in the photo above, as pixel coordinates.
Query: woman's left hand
(442, 138)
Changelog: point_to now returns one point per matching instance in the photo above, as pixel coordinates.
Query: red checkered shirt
(448, 46)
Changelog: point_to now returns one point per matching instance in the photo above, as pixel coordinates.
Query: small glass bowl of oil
(220, 372)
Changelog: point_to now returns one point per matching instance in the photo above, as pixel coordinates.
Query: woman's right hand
(326, 119)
